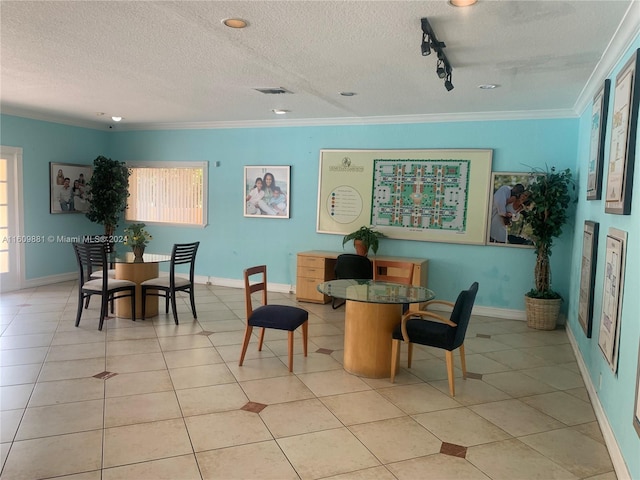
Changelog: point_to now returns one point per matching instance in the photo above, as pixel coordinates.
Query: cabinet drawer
(316, 273)
(314, 262)
(306, 290)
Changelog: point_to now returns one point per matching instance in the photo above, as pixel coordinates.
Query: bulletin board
(426, 195)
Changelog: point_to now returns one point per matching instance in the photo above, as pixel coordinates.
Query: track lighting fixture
(426, 49)
(429, 42)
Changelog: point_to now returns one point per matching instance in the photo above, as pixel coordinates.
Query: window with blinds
(168, 192)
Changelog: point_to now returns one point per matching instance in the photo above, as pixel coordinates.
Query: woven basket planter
(542, 313)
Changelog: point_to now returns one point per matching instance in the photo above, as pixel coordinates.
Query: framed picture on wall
(623, 139)
(267, 191)
(636, 409)
(68, 187)
(588, 276)
(614, 264)
(507, 203)
(598, 132)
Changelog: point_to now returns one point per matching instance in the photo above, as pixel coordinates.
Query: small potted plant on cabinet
(550, 199)
(364, 238)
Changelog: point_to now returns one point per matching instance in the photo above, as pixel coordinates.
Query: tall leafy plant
(551, 196)
(108, 190)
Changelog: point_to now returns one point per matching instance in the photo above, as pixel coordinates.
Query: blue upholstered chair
(439, 332)
(279, 317)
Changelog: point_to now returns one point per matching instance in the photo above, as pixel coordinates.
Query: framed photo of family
(507, 206)
(588, 276)
(267, 191)
(624, 127)
(68, 187)
(614, 266)
(598, 132)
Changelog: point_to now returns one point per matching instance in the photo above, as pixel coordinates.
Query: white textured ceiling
(174, 63)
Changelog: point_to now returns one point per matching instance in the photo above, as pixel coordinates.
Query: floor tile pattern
(154, 400)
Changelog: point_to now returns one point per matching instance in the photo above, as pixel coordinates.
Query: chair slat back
(91, 256)
(462, 312)
(393, 271)
(259, 285)
(183, 253)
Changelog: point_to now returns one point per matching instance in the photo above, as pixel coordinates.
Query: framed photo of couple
(267, 191)
(68, 187)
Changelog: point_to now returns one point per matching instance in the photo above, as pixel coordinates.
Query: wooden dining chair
(91, 257)
(279, 317)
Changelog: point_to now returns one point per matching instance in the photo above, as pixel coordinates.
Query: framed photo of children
(267, 191)
(68, 187)
(626, 101)
(508, 206)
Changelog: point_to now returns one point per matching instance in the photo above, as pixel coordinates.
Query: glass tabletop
(129, 257)
(371, 291)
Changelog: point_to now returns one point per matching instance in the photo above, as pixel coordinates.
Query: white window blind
(168, 192)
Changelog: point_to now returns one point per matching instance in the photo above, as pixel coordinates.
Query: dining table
(373, 309)
(136, 269)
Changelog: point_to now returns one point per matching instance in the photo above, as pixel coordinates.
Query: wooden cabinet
(317, 266)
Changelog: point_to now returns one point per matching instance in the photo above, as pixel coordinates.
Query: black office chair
(447, 334)
(351, 266)
(167, 286)
(279, 317)
(91, 256)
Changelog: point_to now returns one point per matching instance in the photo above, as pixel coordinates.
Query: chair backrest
(183, 253)
(90, 257)
(259, 285)
(393, 271)
(352, 266)
(462, 313)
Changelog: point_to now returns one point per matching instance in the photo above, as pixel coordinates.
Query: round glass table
(373, 309)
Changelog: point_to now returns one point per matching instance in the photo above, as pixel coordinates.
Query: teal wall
(615, 391)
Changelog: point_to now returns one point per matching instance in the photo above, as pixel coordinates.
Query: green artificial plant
(108, 190)
(369, 237)
(550, 195)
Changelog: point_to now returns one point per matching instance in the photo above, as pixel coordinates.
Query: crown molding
(623, 38)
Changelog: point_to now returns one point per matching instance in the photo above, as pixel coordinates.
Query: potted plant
(108, 193)
(137, 238)
(550, 196)
(364, 238)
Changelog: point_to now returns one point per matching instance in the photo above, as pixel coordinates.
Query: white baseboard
(49, 280)
(617, 459)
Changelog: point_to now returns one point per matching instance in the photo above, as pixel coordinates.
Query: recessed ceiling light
(348, 94)
(279, 111)
(116, 119)
(235, 22)
(462, 3)
(488, 86)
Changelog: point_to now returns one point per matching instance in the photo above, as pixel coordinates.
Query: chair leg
(192, 299)
(305, 336)
(395, 356)
(144, 301)
(290, 346)
(133, 304)
(449, 359)
(245, 343)
(79, 312)
(166, 302)
(173, 306)
(463, 362)
(86, 302)
(261, 340)
(104, 306)
(409, 354)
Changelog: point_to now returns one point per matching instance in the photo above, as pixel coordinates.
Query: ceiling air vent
(273, 91)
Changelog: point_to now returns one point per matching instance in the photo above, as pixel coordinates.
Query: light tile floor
(152, 400)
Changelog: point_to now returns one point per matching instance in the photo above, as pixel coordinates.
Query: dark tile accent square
(326, 351)
(104, 375)
(475, 376)
(206, 333)
(453, 450)
(483, 335)
(254, 407)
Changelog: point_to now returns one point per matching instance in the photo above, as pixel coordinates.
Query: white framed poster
(427, 195)
(598, 132)
(608, 338)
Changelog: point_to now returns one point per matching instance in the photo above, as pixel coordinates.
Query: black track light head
(447, 83)
(440, 70)
(425, 47)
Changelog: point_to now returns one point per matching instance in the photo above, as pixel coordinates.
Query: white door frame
(13, 155)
